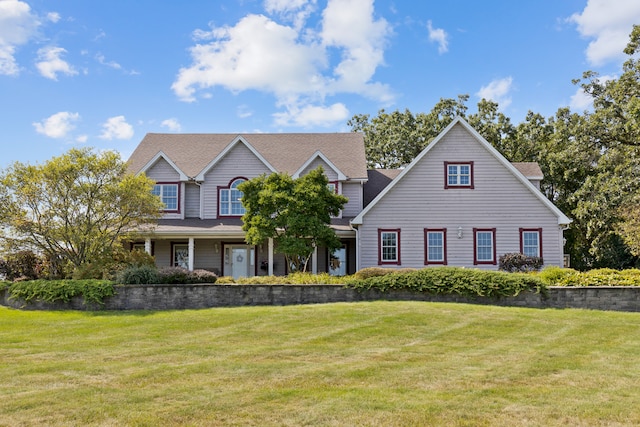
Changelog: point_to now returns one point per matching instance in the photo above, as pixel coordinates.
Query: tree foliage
(75, 207)
(296, 213)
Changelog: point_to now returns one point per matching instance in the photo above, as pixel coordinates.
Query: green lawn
(369, 364)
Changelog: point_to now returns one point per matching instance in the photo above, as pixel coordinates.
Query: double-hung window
(531, 242)
(230, 203)
(435, 246)
(484, 245)
(168, 193)
(389, 246)
(458, 175)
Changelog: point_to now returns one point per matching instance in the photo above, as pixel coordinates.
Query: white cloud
(116, 128)
(310, 115)
(112, 64)
(172, 124)
(439, 36)
(58, 125)
(497, 91)
(609, 23)
(82, 138)
(50, 63)
(53, 17)
(243, 111)
(17, 26)
(291, 62)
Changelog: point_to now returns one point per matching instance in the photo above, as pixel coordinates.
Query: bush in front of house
(517, 262)
(22, 265)
(150, 275)
(92, 291)
(556, 276)
(452, 280)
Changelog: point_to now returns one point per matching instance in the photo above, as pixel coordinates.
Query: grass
(363, 364)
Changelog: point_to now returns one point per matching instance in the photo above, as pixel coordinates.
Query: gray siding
(352, 190)
(239, 162)
(192, 201)
(328, 171)
(419, 201)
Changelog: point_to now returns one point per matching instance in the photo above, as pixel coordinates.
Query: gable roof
(285, 152)
(459, 121)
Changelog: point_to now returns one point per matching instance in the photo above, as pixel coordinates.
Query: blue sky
(101, 74)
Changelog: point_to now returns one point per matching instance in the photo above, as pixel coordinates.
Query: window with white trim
(484, 246)
(458, 175)
(389, 246)
(531, 242)
(435, 242)
(230, 199)
(168, 193)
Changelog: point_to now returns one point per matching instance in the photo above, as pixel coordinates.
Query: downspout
(355, 230)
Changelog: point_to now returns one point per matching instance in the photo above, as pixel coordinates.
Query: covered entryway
(239, 261)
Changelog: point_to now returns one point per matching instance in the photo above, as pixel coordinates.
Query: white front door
(239, 261)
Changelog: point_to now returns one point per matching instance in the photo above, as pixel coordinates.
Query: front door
(338, 262)
(239, 261)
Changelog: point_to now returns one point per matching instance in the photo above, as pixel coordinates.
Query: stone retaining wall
(172, 297)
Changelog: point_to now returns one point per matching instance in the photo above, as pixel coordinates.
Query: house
(461, 203)
(458, 203)
(196, 176)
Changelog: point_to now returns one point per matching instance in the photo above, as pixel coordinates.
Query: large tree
(296, 213)
(74, 208)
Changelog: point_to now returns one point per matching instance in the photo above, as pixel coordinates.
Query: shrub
(202, 276)
(365, 273)
(173, 275)
(454, 280)
(138, 275)
(108, 264)
(600, 277)
(554, 276)
(517, 262)
(22, 265)
(92, 291)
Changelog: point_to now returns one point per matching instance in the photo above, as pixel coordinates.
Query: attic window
(168, 193)
(458, 175)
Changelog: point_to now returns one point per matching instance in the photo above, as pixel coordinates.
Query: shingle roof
(286, 152)
(531, 170)
(378, 180)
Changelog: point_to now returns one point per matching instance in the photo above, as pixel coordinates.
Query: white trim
(341, 176)
(150, 163)
(237, 140)
(562, 218)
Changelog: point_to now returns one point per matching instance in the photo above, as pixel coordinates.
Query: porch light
(216, 247)
(460, 232)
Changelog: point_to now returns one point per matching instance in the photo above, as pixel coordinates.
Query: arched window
(230, 204)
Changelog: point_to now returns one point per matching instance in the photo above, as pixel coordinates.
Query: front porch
(219, 246)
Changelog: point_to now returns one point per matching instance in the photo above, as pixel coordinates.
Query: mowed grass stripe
(374, 363)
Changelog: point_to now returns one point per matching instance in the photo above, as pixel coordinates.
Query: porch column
(191, 252)
(314, 260)
(147, 245)
(270, 251)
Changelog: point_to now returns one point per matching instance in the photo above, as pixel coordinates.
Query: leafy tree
(296, 213)
(75, 207)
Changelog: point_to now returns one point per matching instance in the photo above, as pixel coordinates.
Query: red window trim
(446, 175)
(475, 246)
(220, 187)
(533, 230)
(388, 230)
(444, 246)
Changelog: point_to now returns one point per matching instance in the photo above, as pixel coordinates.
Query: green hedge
(449, 280)
(556, 276)
(92, 291)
